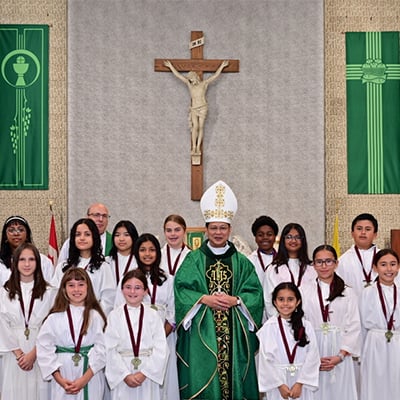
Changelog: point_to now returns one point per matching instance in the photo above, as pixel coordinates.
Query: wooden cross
(199, 65)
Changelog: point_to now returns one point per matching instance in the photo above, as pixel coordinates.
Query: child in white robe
(16, 230)
(121, 258)
(160, 296)
(355, 264)
(25, 301)
(380, 316)
(70, 346)
(172, 255)
(288, 357)
(264, 229)
(85, 252)
(332, 309)
(137, 350)
(175, 250)
(291, 264)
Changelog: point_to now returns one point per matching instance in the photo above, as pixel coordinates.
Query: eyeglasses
(16, 231)
(293, 237)
(328, 261)
(98, 215)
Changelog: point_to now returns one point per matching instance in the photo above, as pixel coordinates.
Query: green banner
(373, 112)
(24, 107)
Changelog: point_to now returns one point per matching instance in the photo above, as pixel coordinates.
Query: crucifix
(196, 66)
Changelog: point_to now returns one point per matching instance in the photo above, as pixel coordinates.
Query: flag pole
(53, 246)
(335, 238)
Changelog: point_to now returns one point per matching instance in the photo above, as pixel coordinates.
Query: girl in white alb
(70, 346)
(25, 301)
(175, 250)
(288, 363)
(172, 255)
(85, 252)
(291, 264)
(137, 350)
(160, 297)
(380, 316)
(332, 308)
(121, 258)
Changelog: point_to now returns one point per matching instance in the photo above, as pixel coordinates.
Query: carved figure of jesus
(199, 106)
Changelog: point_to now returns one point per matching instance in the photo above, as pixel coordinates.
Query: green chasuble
(108, 244)
(216, 353)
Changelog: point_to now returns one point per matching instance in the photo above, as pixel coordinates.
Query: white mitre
(218, 203)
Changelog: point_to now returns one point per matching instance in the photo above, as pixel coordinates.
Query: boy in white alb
(264, 230)
(355, 265)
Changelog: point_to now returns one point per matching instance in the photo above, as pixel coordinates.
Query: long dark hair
(96, 258)
(337, 285)
(157, 275)
(296, 321)
(13, 285)
(132, 231)
(61, 302)
(6, 252)
(282, 256)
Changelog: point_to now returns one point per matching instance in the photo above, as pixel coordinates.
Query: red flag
(53, 247)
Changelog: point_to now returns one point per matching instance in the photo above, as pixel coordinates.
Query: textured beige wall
(34, 204)
(357, 16)
(340, 16)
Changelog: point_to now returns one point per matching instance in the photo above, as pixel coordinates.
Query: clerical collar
(219, 250)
